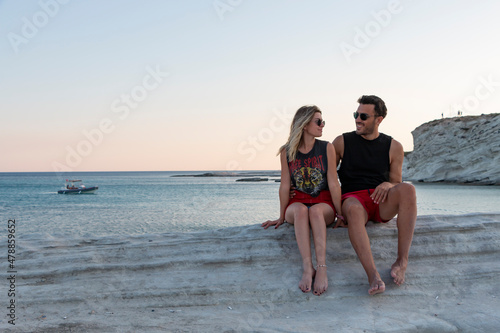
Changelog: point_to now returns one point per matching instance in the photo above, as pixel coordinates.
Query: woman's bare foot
(321, 280)
(307, 277)
(377, 286)
(398, 271)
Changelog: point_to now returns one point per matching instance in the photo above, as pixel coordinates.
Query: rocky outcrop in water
(253, 179)
(457, 150)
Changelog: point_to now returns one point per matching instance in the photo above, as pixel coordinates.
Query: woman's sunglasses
(363, 116)
(320, 122)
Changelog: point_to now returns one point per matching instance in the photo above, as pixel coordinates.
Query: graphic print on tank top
(308, 171)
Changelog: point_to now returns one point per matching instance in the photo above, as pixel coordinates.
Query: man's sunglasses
(363, 116)
(320, 122)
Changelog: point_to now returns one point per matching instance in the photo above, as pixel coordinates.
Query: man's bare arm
(338, 143)
(396, 156)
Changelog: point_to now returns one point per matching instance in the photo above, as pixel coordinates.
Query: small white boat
(76, 186)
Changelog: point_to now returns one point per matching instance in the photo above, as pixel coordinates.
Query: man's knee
(354, 211)
(404, 192)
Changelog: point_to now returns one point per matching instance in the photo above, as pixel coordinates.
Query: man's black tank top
(365, 163)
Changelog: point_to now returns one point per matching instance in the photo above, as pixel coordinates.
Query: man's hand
(292, 192)
(380, 194)
(269, 223)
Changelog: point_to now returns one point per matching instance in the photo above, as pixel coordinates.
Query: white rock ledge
(245, 279)
(457, 150)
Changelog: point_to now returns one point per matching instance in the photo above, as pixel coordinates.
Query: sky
(169, 85)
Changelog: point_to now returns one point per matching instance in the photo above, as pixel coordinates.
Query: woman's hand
(341, 222)
(269, 223)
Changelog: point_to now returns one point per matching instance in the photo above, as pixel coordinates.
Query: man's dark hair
(380, 108)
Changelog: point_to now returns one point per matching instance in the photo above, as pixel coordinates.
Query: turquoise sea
(134, 203)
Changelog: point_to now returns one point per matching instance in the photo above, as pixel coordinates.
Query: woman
(309, 165)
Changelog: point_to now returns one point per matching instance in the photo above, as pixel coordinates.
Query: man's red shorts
(372, 209)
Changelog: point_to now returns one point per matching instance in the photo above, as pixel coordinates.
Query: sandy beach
(244, 279)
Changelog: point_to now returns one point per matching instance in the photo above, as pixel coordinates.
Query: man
(372, 189)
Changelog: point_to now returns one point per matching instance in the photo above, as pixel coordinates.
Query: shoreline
(245, 279)
(259, 176)
(231, 174)
(449, 182)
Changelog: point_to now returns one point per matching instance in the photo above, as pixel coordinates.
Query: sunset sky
(212, 84)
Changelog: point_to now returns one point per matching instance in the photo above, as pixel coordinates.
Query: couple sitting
(372, 190)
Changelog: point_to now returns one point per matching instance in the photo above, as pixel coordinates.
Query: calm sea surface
(133, 203)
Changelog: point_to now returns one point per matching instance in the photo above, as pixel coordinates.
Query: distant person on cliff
(309, 164)
(372, 188)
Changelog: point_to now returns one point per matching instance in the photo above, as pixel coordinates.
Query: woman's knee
(321, 212)
(297, 213)
(315, 212)
(302, 211)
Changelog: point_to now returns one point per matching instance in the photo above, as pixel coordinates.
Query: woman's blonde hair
(302, 117)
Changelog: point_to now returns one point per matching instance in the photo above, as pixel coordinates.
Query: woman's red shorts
(306, 199)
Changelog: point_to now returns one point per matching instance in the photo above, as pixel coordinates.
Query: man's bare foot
(398, 271)
(377, 286)
(320, 281)
(306, 282)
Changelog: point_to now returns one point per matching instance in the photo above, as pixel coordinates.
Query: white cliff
(458, 150)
